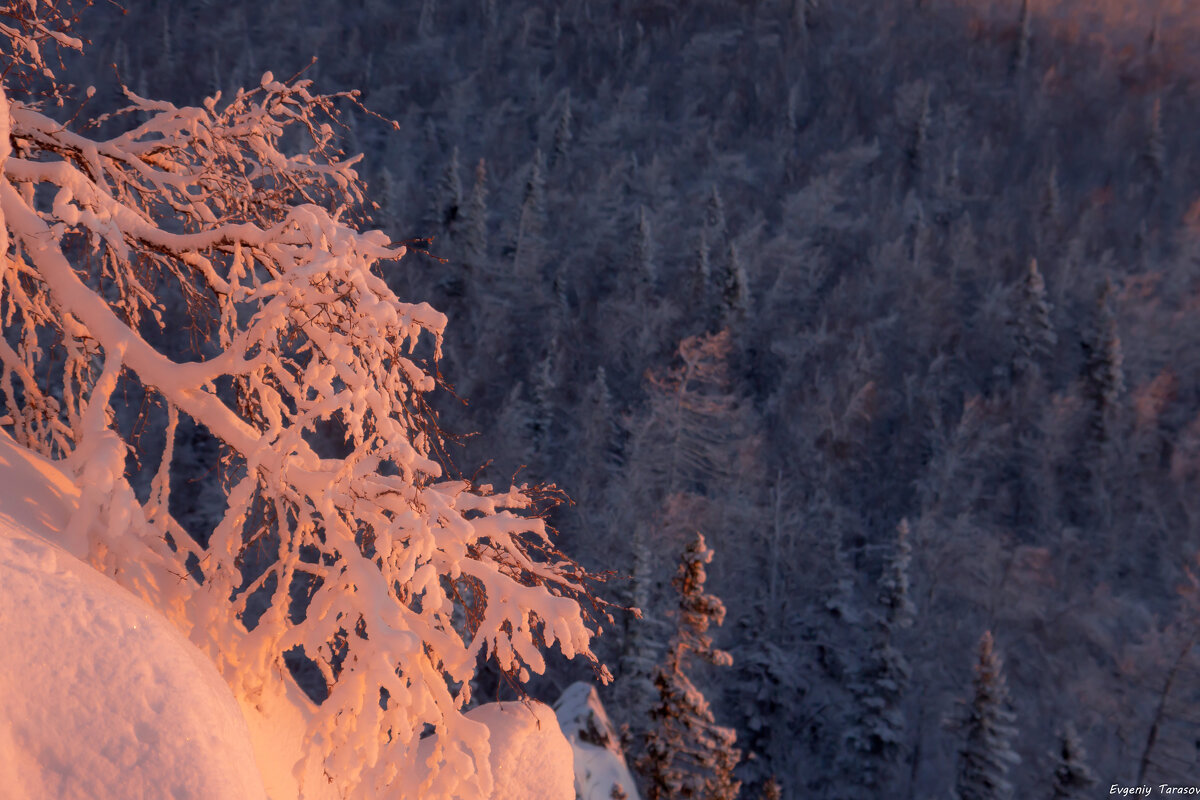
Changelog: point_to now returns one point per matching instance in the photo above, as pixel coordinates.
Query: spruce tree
(562, 131)
(987, 754)
(735, 290)
(700, 274)
(1154, 152)
(447, 198)
(642, 641)
(893, 583)
(425, 21)
(476, 239)
(531, 226)
(875, 737)
(714, 215)
(1024, 38)
(647, 271)
(1033, 331)
(601, 428)
(687, 754)
(1104, 377)
(913, 116)
(1072, 777)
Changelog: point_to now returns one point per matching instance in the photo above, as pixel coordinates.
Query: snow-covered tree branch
(392, 576)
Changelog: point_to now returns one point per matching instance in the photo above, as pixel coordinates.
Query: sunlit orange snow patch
(38, 496)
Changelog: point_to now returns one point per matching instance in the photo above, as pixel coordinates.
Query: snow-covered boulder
(103, 698)
(530, 758)
(600, 766)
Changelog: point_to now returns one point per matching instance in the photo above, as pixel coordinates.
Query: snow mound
(600, 766)
(103, 698)
(530, 758)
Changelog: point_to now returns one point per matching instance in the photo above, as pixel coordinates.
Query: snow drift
(103, 698)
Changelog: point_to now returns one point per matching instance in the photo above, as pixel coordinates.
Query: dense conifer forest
(897, 302)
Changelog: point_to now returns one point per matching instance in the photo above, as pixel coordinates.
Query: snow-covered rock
(598, 758)
(103, 698)
(530, 759)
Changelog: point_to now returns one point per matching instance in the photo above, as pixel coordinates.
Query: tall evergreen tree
(647, 270)
(899, 609)
(687, 754)
(1024, 38)
(562, 131)
(476, 233)
(986, 753)
(875, 736)
(447, 200)
(1154, 152)
(714, 216)
(531, 226)
(1072, 776)
(700, 275)
(1104, 377)
(912, 112)
(735, 289)
(1032, 327)
(601, 428)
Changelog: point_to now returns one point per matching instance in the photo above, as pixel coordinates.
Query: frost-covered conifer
(647, 270)
(875, 735)
(425, 21)
(714, 216)
(1024, 38)
(1104, 376)
(545, 386)
(986, 753)
(602, 430)
(531, 226)
(912, 112)
(700, 276)
(1032, 327)
(687, 754)
(642, 641)
(475, 240)
(1072, 776)
(562, 129)
(1154, 153)
(735, 289)
(447, 197)
(898, 607)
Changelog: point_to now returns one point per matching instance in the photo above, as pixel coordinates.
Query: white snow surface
(598, 758)
(530, 758)
(101, 697)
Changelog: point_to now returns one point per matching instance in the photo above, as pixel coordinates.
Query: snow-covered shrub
(392, 577)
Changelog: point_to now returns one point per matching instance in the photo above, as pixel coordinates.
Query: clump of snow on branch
(411, 576)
